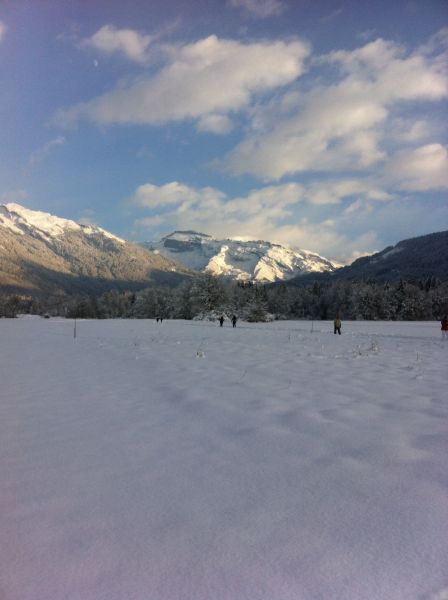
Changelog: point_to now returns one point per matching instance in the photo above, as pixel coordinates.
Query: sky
(318, 124)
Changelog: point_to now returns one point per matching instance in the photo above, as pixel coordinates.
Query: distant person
(444, 327)
(337, 325)
(221, 321)
(234, 320)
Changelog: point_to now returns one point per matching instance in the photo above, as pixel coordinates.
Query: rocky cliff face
(240, 260)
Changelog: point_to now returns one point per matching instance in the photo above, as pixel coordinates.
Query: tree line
(210, 297)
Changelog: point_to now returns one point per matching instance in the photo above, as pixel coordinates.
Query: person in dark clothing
(337, 325)
(221, 320)
(234, 320)
(444, 327)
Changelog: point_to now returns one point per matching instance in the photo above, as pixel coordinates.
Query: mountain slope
(41, 254)
(239, 260)
(415, 258)
(423, 256)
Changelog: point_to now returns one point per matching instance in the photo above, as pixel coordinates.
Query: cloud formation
(110, 40)
(339, 126)
(182, 196)
(353, 125)
(41, 153)
(260, 8)
(420, 169)
(218, 124)
(275, 213)
(203, 80)
(333, 192)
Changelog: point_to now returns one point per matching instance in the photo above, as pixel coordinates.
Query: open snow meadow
(184, 461)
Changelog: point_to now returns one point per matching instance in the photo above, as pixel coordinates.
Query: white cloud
(206, 78)
(435, 42)
(174, 193)
(325, 239)
(366, 35)
(2, 30)
(270, 213)
(110, 40)
(339, 126)
(286, 214)
(355, 206)
(422, 169)
(280, 214)
(219, 124)
(206, 202)
(333, 192)
(410, 131)
(272, 202)
(374, 55)
(260, 8)
(41, 153)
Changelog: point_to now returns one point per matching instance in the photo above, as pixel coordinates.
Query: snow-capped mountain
(42, 253)
(46, 226)
(240, 260)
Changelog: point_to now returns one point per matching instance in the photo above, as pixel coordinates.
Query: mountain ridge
(238, 259)
(414, 258)
(42, 254)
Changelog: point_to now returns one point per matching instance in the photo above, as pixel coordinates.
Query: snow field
(183, 461)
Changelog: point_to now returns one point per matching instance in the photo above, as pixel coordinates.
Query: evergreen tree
(208, 294)
(257, 309)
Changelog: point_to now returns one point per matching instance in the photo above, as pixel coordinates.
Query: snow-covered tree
(208, 294)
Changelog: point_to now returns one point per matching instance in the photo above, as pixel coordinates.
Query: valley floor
(182, 461)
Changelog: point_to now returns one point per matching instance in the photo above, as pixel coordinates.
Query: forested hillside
(412, 259)
(210, 297)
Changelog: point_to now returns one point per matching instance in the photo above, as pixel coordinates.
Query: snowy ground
(182, 461)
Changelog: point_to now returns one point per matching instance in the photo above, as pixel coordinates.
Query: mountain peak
(21, 220)
(41, 254)
(187, 235)
(239, 259)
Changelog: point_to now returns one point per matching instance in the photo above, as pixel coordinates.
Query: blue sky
(317, 124)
